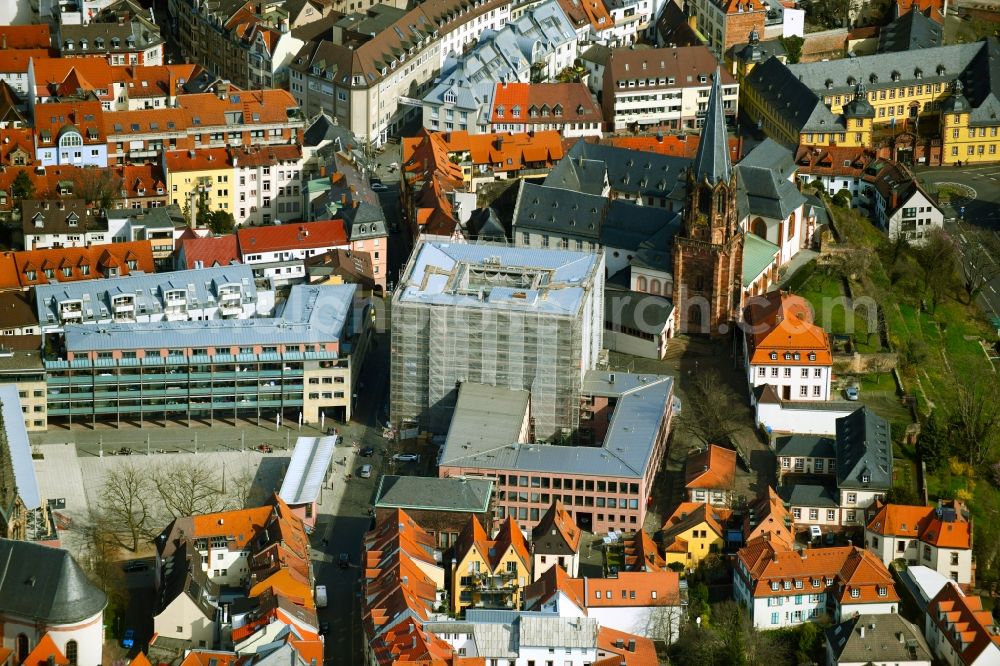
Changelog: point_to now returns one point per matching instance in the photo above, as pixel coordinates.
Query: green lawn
(826, 295)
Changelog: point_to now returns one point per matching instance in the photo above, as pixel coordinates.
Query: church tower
(708, 251)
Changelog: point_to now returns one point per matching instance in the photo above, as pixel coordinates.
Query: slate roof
(780, 89)
(637, 172)
(887, 638)
(809, 446)
(636, 310)
(435, 494)
(864, 447)
(323, 128)
(909, 32)
(809, 494)
(45, 585)
(559, 211)
(766, 194)
(711, 162)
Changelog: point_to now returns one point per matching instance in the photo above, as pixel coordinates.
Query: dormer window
(796, 356)
(829, 84)
(873, 78)
(774, 356)
(788, 584)
(918, 73)
(69, 45)
(774, 586)
(855, 593)
(883, 591)
(895, 75)
(788, 357)
(941, 70)
(812, 356)
(851, 81)
(500, 111)
(450, 97)
(866, 478)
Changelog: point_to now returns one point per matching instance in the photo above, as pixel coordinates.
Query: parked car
(343, 560)
(852, 392)
(366, 472)
(406, 457)
(815, 532)
(379, 187)
(128, 640)
(321, 596)
(367, 452)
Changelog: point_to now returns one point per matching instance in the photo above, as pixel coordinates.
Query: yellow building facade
(489, 573)
(933, 106)
(692, 532)
(205, 174)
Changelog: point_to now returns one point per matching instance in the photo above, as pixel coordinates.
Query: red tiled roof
(572, 99)
(712, 468)
(641, 553)
(770, 519)
(770, 562)
(264, 155)
(559, 520)
(202, 159)
(34, 36)
(324, 233)
(924, 523)
(52, 118)
(617, 648)
(633, 588)
(210, 251)
(955, 613)
(17, 61)
(97, 257)
(684, 145)
(783, 323)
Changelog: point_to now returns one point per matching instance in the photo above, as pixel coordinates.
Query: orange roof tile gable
(634, 650)
(19, 37)
(783, 323)
(97, 257)
(242, 525)
(43, 650)
(965, 614)
(710, 469)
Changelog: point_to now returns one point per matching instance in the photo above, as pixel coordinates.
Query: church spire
(711, 162)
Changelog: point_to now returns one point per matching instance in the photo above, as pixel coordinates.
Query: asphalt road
(981, 214)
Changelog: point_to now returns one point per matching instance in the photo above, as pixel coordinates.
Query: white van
(321, 596)
(366, 472)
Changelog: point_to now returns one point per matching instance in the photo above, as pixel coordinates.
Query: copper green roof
(758, 254)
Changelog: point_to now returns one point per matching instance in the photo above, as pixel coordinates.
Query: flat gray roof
(454, 493)
(484, 416)
(628, 446)
(498, 277)
(312, 314)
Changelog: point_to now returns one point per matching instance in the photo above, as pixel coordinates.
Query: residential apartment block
(206, 294)
(567, 108)
(781, 587)
(604, 486)
(161, 226)
(360, 70)
(123, 33)
(959, 630)
(489, 573)
(245, 43)
(936, 537)
(305, 359)
(41, 267)
(826, 491)
(534, 47)
(555, 542)
(519, 319)
(58, 223)
(279, 252)
(665, 88)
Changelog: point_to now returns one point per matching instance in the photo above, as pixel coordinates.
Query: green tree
(808, 638)
(219, 221)
(842, 199)
(22, 187)
(793, 48)
(934, 442)
(902, 495)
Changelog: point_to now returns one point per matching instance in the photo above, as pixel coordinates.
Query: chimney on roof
(902, 638)
(631, 645)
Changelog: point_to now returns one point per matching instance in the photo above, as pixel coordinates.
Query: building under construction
(517, 318)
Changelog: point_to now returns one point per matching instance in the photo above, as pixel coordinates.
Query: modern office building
(219, 292)
(301, 363)
(604, 482)
(514, 318)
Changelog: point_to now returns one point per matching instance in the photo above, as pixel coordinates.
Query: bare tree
(98, 187)
(975, 417)
(981, 263)
(241, 491)
(937, 258)
(710, 415)
(881, 364)
(188, 489)
(664, 622)
(125, 503)
(102, 549)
